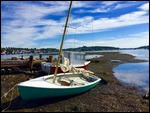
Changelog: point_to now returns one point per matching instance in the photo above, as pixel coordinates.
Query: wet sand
(109, 96)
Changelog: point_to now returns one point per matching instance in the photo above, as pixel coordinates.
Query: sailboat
(77, 81)
(77, 59)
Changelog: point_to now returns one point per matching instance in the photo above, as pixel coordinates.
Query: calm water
(43, 56)
(139, 53)
(136, 74)
(26, 56)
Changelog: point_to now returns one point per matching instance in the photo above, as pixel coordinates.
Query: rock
(34, 59)
(3, 71)
(9, 71)
(14, 58)
(146, 96)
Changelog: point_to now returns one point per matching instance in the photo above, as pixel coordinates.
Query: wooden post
(9, 71)
(21, 57)
(31, 63)
(3, 71)
(50, 58)
(40, 57)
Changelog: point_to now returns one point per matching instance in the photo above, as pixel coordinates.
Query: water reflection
(133, 74)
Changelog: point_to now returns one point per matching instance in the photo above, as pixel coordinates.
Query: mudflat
(109, 96)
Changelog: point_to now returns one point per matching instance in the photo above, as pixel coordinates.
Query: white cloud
(145, 7)
(108, 3)
(132, 40)
(125, 5)
(84, 25)
(99, 10)
(71, 41)
(23, 29)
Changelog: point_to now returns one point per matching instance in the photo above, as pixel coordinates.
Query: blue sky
(40, 24)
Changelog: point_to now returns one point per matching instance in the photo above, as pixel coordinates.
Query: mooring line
(5, 95)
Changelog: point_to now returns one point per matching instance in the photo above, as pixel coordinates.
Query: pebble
(146, 96)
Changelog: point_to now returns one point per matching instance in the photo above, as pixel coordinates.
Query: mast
(62, 42)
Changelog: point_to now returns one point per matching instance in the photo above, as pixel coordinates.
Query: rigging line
(70, 27)
(92, 34)
(76, 28)
(59, 41)
(67, 35)
(45, 34)
(74, 38)
(92, 43)
(48, 28)
(62, 42)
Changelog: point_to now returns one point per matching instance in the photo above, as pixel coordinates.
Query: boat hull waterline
(41, 88)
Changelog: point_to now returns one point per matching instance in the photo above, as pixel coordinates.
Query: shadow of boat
(18, 103)
(103, 82)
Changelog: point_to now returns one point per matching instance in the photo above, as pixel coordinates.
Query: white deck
(47, 81)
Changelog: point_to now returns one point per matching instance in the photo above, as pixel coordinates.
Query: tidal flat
(109, 96)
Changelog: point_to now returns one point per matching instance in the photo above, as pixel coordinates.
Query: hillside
(143, 47)
(92, 48)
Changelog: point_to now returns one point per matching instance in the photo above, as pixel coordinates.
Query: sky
(40, 24)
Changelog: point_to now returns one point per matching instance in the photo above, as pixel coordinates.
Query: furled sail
(66, 67)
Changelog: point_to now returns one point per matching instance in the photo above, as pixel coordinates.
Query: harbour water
(25, 56)
(136, 74)
(43, 56)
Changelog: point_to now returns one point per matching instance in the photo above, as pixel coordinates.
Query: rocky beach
(109, 96)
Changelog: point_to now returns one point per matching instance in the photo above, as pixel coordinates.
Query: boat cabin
(74, 57)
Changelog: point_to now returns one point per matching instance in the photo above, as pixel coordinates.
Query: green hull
(30, 93)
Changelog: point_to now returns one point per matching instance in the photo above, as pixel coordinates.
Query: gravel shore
(109, 96)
